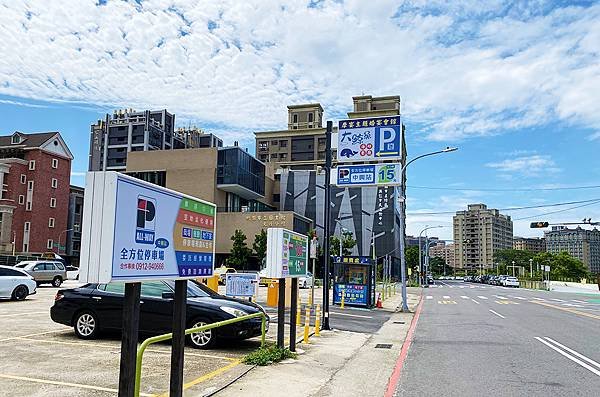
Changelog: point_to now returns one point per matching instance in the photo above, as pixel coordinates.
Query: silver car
(45, 271)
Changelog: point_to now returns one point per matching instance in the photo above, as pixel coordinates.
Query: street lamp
(75, 227)
(401, 201)
(427, 227)
(530, 268)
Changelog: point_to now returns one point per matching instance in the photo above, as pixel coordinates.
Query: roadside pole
(293, 310)
(327, 225)
(402, 247)
(281, 314)
(178, 344)
(129, 339)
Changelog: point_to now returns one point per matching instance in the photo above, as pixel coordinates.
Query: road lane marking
(471, 287)
(446, 297)
(500, 297)
(21, 314)
(589, 360)
(497, 314)
(462, 286)
(520, 297)
(349, 315)
(506, 302)
(37, 334)
(447, 302)
(206, 377)
(572, 305)
(482, 297)
(429, 297)
(539, 299)
(464, 297)
(578, 301)
(557, 300)
(475, 301)
(570, 357)
(566, 309)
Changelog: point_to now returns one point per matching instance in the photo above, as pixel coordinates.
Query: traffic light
(538, 225)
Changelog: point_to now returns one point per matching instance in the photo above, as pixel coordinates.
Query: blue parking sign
(376, 138)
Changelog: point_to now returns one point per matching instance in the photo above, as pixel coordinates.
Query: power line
(514, 208)
(504, 190)
(556, 212)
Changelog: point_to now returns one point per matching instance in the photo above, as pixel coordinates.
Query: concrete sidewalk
(337, 363)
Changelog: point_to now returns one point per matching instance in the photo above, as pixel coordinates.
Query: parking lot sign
(377, 138)
(367, 175)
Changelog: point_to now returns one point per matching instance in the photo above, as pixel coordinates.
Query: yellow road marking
(30, 335)
(58, 383)
(447, 302)
(506, 302)
(21, 314)
(118, 347)
(566, 309)
(206, 377)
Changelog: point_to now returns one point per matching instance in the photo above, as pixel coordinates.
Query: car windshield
(194, 289)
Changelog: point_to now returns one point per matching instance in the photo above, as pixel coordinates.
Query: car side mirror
(168, 295)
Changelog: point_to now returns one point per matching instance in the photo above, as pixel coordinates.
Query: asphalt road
(476, 340)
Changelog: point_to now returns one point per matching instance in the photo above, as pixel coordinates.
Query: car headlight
(234, 312)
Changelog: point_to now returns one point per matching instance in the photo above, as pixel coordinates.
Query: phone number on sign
(143, 266)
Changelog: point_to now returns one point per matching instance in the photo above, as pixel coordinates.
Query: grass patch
(268, 355)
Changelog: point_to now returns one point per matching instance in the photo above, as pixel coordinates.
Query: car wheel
(86, 325)
(57, 281)
(20, 293)
(204, 339)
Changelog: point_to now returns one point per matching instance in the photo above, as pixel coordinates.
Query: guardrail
(164, 337)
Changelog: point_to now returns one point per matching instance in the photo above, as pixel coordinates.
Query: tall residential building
(444, 251)
(413, 241)
(531, 244)
(128, 131)
(72, 246)
(35, 173)
(478, 233)
(583, 244)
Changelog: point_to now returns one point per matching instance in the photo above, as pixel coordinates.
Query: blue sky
(514, 84)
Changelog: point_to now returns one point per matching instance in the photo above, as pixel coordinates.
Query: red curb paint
(395, 377)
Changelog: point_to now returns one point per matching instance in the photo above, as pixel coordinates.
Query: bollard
(307, 324)
(318, 321)
(343, 299)
(394, 288)
(383, 293)
(299, 313)
(310, 301)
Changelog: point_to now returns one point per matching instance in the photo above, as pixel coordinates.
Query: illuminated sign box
(287, 254)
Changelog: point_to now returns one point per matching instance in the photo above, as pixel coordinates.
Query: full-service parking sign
(377, 138)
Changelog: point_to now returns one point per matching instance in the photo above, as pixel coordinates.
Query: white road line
(429, 297)
(584, 365)
(464, 297)
(483, 287)
(482, 297)
(500, 297)
(446, 297)
(578, 301)
(520, 297)
(539, 299)
(589, 360)
(349, 315)
(462, 286)
(497, 314)
(557, 300)
(571, 305)
(475, 301)
(471, 287)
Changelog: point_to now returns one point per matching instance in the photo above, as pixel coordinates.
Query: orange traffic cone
(379, 305)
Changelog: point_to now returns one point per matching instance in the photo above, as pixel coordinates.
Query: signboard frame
(278, 255)
(367, 175)
(366, 139)
(99, 232)
(250, 278)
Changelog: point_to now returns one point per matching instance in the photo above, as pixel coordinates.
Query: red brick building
(35, 174)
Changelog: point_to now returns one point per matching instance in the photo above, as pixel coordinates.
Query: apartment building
(126, 131)
(35, 173)
(478, 233)
(583, 244)
(444, 251)
(72, 246)
(531, 244)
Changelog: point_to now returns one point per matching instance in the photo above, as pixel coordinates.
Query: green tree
(240, 253)
(260, 245)
(565, 266)
(504, 258)
(348, 242)
(438, 266)
(412, 258)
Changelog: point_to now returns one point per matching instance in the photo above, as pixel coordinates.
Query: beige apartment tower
(478, 233)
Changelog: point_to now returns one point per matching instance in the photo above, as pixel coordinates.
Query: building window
(21, 199)
(50, 222)
(30, 185)
(49, 244)
(28, 206)
(283, 156)
(294, 118)
(54, 163)
(310, 117)
(26, 226)
(282, 143)
(16, 139)
(262, 145)
(25, 247)
(23, 179)
(31, 165)
(274, 143)
(52, 202)
(54, 183)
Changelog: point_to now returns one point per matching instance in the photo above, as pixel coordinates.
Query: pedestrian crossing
(503, 300)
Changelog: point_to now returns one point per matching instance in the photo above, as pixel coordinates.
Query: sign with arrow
(370, 139)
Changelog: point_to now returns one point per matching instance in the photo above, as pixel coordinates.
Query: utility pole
(327, 225)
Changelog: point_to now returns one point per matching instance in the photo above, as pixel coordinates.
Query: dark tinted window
(60, 266)
(39, 266)
(10, 273)
(116, 287)
(154, 289)
(50, 266)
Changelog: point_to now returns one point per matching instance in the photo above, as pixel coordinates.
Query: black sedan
(95, 307)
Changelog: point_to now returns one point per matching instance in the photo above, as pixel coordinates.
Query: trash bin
(273, 293)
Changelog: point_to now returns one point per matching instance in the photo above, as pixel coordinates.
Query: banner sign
(287, 254)
(367, 175)
(353, 294)
(377, 138)
(134, 230)
(241, 284)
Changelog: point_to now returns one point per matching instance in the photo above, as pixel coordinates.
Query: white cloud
(534, 165)
(463, 68)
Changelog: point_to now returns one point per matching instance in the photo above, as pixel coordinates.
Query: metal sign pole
(281, 314)
(293, 309)
(129, 339)
(178, 344)
(326, 225)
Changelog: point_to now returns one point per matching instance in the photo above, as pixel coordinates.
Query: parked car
(15, 283)
(45, 272)
(222, 271)
(511, 282)
(72, 273)
(306, 282)
(93, 308)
